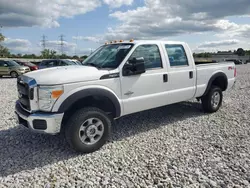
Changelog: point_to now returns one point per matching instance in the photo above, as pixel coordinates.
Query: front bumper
(49, 123)
(22, 71)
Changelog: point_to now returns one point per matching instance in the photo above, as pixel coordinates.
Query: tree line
(239, 52)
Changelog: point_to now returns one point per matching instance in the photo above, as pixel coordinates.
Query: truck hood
(66, 74)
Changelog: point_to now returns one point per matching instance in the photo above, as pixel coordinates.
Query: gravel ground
(173, 146)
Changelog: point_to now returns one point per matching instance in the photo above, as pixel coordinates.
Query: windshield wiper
(92, 64)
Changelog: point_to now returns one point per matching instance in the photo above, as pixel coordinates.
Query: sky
(206, 25)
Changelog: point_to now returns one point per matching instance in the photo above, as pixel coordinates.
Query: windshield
(69, 62)
(108, 56)
(12, 63)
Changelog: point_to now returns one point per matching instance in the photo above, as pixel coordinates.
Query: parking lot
(173, 146)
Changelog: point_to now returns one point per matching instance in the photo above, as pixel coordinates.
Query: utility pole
(61, 37)
(44, 40)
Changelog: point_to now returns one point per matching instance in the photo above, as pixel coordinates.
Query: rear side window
(151, 55)
(177, 55)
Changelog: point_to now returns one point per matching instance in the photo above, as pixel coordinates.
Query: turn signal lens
(56, 94)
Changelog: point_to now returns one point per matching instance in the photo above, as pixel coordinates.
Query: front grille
(23, 94)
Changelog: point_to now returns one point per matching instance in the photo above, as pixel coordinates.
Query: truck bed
(206, 71)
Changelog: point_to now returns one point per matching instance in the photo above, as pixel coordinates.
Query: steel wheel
(215, 99)
(13, 74)
(91, 131)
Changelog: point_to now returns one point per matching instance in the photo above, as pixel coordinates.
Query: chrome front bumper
(49, 123)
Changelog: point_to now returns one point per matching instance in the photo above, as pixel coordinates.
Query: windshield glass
(12, 63)
(69, 62)
(108, 56)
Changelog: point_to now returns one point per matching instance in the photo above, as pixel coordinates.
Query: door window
(177, 55)
(52, 63)
(151, 55)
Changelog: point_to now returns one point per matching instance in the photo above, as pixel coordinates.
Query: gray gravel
(173, 146)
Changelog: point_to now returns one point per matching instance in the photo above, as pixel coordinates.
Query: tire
(81, 127)
(213, 100)
(14, 74)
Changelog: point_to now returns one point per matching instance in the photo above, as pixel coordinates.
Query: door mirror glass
(5, 65)
(134, 66)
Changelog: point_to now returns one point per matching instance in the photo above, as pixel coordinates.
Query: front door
(147, 90)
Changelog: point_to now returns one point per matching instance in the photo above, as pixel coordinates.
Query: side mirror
(135, 66)
(5, 65)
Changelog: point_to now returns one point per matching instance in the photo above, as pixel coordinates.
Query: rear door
(182, 73)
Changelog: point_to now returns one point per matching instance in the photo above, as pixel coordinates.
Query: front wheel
(213, 100)
(88, 129)
(14, 74)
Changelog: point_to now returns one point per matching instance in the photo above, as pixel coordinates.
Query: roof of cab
(144, 41)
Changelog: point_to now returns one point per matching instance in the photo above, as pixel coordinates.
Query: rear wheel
(14, 74)
(88, 129)
(213, 100)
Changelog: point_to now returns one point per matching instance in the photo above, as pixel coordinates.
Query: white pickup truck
(118, 79)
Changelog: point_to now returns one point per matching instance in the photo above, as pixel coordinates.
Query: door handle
(191, 74)
(165, 78)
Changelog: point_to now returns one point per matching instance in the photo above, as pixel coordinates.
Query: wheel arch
(218, 79)
(96, 97)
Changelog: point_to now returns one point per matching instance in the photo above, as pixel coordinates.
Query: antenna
(61, 42)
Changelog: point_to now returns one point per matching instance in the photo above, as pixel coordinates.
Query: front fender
(66, 100)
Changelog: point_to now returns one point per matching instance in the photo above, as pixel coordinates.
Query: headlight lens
(48, 95)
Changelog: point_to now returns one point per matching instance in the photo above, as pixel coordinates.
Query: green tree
(48, 54)
(240, 52)
(83, 57)
(75, 57)
(4, 52)
(64, 56)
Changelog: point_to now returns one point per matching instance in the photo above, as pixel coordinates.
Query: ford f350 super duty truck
(118, 79)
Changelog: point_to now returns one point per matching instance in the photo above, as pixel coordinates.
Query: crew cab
(118, 79)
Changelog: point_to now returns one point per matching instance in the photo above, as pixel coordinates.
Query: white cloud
(17, 45)
(91, 39)
(164, 18)
(44, 13)
(231, 29)
(117, 3)
(220, 43)
(56, 45)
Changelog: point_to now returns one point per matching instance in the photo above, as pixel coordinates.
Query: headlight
(48, 95)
